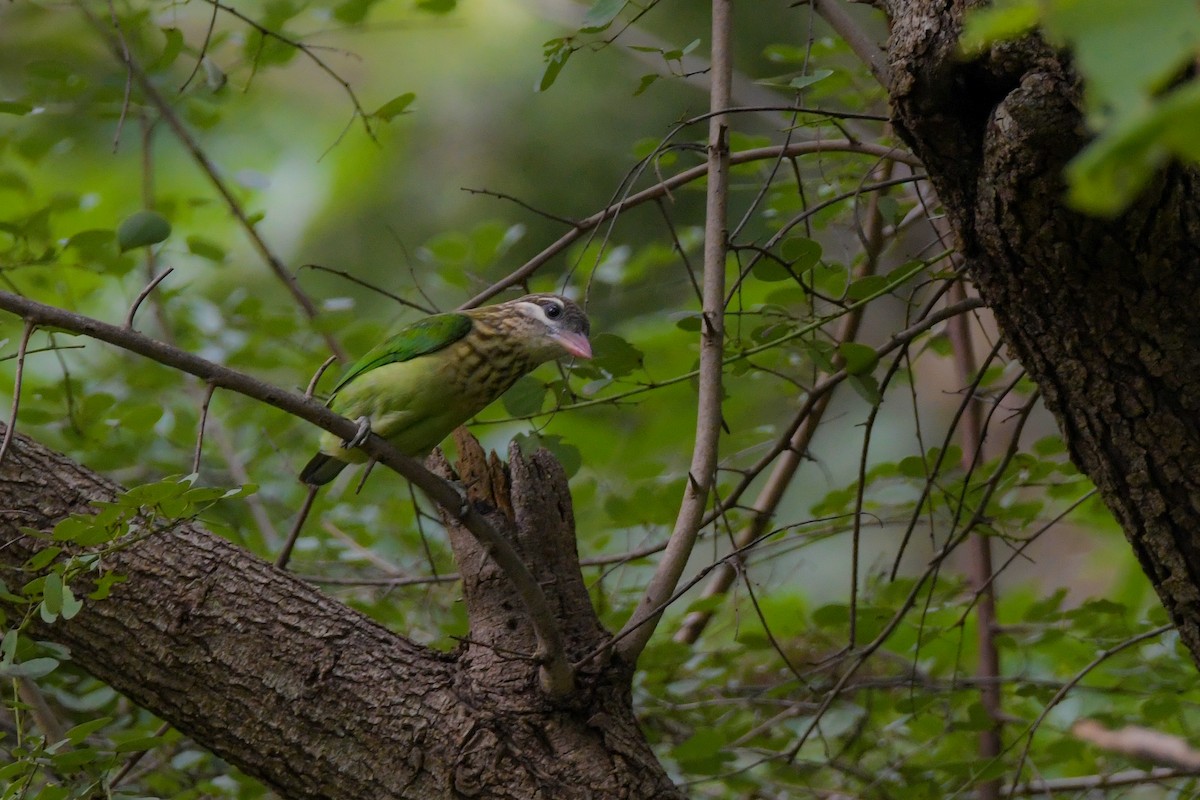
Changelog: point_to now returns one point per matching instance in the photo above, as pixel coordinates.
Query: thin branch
(208, 33)
(663, 188)
(863, 46)
(144, 293)
(442, 492)
(702, 471)
(1137, 741)
(307, 51)
(518, 201)
(1058, 697)
(155, 98)
(1087, 784)
(372, 287)
(972, 434)
(768, 499)
(316, 378)
(285, 552)
(127, 59)
(16, 400)
(208, 393)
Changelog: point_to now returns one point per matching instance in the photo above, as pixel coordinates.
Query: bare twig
(784, 471)
(1058, 697)
(112, 13)
(307, 50)
(208, 393)
(863, 46)
(971, 435)
(316, 378)
(1087, 784)
(510, 198)
(133, 760)
(1140, 742)
(541, 615)
(702, 470)
(285, 552)
(661, 189)
(16, 401)
(144, 293)
(368, 285)
(155, 98)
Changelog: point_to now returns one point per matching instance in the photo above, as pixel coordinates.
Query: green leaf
(142, 229)
(801, 252)
(82, 731)
(171, 49)
(42, 558)
(1110, 171)
(52, 594)
(525, 398)
(601, 15)
(8, 646)
(395, 107)
(645, 83)
(614, 355)
(769, 270)
(1103, 34)
(204, 248)
(702, 746)
(858, 358)
(1001, 21)
(801, 81)
(556, 54)
(14, 108)
(33, 668)
(352, 12)
(71, 605)
(140, 743)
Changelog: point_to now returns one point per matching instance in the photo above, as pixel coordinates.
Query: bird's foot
(360, 436)
(464, 503)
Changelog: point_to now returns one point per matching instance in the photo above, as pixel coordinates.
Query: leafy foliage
(1133, 57)
(844, 654)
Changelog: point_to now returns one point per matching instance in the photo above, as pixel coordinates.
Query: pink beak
(574, 343)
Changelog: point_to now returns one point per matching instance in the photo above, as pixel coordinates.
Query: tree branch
(702, 471)
(210, 171)
(871, 54)
(664, 188)
(440, 491)
(302, 692)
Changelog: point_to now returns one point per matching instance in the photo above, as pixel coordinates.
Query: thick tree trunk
(1101, 312)
(320, 702)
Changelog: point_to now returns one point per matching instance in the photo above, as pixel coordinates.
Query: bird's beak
(574, 343)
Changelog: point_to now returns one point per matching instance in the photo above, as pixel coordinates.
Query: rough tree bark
(318, 701)
(1102, 313)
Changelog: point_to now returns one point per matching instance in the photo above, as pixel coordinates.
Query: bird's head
(551, 324)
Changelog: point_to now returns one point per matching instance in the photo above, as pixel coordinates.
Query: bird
(435, 374)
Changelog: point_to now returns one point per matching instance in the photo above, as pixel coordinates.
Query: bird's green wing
(418, 339)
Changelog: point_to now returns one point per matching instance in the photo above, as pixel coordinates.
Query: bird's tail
(321, 469)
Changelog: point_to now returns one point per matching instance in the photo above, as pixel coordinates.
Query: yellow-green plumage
(422, 383)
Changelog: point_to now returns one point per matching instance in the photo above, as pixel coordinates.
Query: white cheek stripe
(534, 310)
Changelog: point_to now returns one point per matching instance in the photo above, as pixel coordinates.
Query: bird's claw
(464, 503)
(360, 436)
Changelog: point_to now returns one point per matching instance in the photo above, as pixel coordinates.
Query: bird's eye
(553, 310)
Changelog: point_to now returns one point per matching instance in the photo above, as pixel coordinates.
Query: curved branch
(185, 138)
(550, 645)
(664, 188)
(702, 471)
